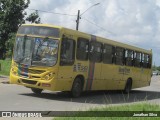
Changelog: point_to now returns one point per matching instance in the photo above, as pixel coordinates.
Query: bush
(5, 67)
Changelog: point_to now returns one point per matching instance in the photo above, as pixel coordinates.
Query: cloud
(135, 22)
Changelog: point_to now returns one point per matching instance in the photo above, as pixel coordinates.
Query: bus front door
(65, 73)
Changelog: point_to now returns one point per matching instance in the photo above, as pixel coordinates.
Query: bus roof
(100, 39)
(45, 25)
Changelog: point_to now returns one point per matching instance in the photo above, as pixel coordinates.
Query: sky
(134, 22)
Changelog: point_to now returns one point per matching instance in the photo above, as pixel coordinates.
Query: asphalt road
(19, 98)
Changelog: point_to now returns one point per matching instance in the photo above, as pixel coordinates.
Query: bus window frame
(137, 60)
(94, 59)
(112, 53)
(149, 65)
(120, 57)
(129, 59)
(86, 49)
(64, 61)
(145, 62)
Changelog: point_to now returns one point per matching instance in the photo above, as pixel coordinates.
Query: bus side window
(145, 64)
(82, 49)
(119, 56)
(67, 52)
(108, 54)
(95, 51)
(142, 61)
(149, 61)
(137, 59)
(129, 57)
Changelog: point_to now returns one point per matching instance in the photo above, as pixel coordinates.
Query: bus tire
(36, 90)
(128, 86)
(76, 88)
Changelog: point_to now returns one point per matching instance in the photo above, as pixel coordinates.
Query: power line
(105, 30)
(52, 12)
(98, 26)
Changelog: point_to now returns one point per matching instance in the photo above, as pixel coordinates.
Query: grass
(117, 112)
(5, 67)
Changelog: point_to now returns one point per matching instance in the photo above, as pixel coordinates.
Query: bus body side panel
(97, 83)
(107, 76)
(145, 77)
(65, 78)
(118, 75)
(112, 77)
(136, 75)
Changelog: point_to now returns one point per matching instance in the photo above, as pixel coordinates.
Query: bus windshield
(36, 51)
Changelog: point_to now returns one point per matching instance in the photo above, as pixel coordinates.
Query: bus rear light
(46, 85)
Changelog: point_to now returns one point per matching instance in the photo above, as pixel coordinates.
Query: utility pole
(79, 15)
(77, 21)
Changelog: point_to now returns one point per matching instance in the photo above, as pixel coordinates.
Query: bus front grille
(36, 71)
(29, 81)
(26, 70)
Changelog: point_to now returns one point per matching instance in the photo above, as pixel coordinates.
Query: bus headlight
(14, 71)
(48, 76)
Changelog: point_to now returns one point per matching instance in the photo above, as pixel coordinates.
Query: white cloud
(135, 22)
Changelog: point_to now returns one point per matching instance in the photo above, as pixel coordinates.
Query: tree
(10, 45)
(154, 68)
(34, 18)
(11, 17)
(158, 68)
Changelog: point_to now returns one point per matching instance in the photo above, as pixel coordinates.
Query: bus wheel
(128, 86)
(76, 88)
(36, 90)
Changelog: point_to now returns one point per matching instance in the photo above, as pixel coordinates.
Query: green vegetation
(154, 68)
(5, 67)
(117, 111)
(12, 14)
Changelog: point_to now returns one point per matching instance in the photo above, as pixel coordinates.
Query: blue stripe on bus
(23, 70)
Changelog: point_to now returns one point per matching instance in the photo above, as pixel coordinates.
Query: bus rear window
(39, 30)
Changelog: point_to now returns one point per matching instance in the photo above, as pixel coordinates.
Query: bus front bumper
(32, 83)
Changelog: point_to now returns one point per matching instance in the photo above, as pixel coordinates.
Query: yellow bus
(54, 58)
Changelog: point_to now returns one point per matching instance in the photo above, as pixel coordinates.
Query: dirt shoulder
(4, 79)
